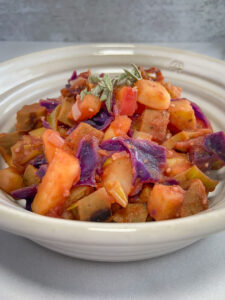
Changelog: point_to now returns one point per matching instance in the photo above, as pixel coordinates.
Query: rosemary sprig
(104, 86)
(129, 77)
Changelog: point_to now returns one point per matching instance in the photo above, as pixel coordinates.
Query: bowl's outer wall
(41, 75)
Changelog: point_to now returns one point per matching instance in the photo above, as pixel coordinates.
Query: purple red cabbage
(49, 104)
(28, 193)
(200, 115)
(73, 76)
(88, 158)
(215, 143)
(210, 154)
(38, 161)
(101, 120)
(148, 159)
(46, 124)
(42, 171)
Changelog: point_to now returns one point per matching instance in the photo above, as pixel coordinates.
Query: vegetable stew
(122, 148)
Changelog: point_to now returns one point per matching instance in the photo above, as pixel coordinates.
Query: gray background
(113, 20)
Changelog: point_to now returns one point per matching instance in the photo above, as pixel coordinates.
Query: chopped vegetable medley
(124, 148)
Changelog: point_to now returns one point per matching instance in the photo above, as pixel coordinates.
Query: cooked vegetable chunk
(155, 123)
(65, 110)
(119, 127)
(142, 135)
(126, 100)
(52, 141)
(165, 201)
(176, 163)
(29, 116)
(182, 116)
(6, 142)
(53, 117)
(184, 136)
(117, 179)
(86, 108)
(195, 199)
(30, 177)
(82, 130)
(10, 179)
(62, 173)
(133, 213)
(76, 194)
(192, 173)
(37, 132)
(94, 207)
(152, 94)
(26, 149)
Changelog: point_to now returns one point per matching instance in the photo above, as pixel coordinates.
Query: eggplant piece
(26, 149)
(154, 122)
(10, 179)
(133, 213)
(95, 207)
(30, 177)
(195, 199)
(6, 142)
(29, 115)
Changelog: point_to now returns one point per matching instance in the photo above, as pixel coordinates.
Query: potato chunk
(62, 173)
(10, 180)
(152, 94)
(29, 115)
(182, 115)
(165, 201)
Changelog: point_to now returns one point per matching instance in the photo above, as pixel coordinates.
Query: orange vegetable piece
(83, 130)
(126, 100)
(62, 173)
(152, 94)
(87, 108)
(182, 116)
(52, 141)
(165, 201)
(119, 127)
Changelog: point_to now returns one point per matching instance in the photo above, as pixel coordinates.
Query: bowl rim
(27, 223)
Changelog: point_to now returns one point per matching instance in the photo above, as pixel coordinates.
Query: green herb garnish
(104, 86)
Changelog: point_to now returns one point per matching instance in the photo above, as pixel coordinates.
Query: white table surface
(28, 271)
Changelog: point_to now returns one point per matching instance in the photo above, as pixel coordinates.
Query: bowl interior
(41, 75)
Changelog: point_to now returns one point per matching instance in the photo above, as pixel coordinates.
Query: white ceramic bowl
(27, 79)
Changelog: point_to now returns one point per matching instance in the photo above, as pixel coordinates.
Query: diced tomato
(86, 108)
(62, 173)
(126, 99)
